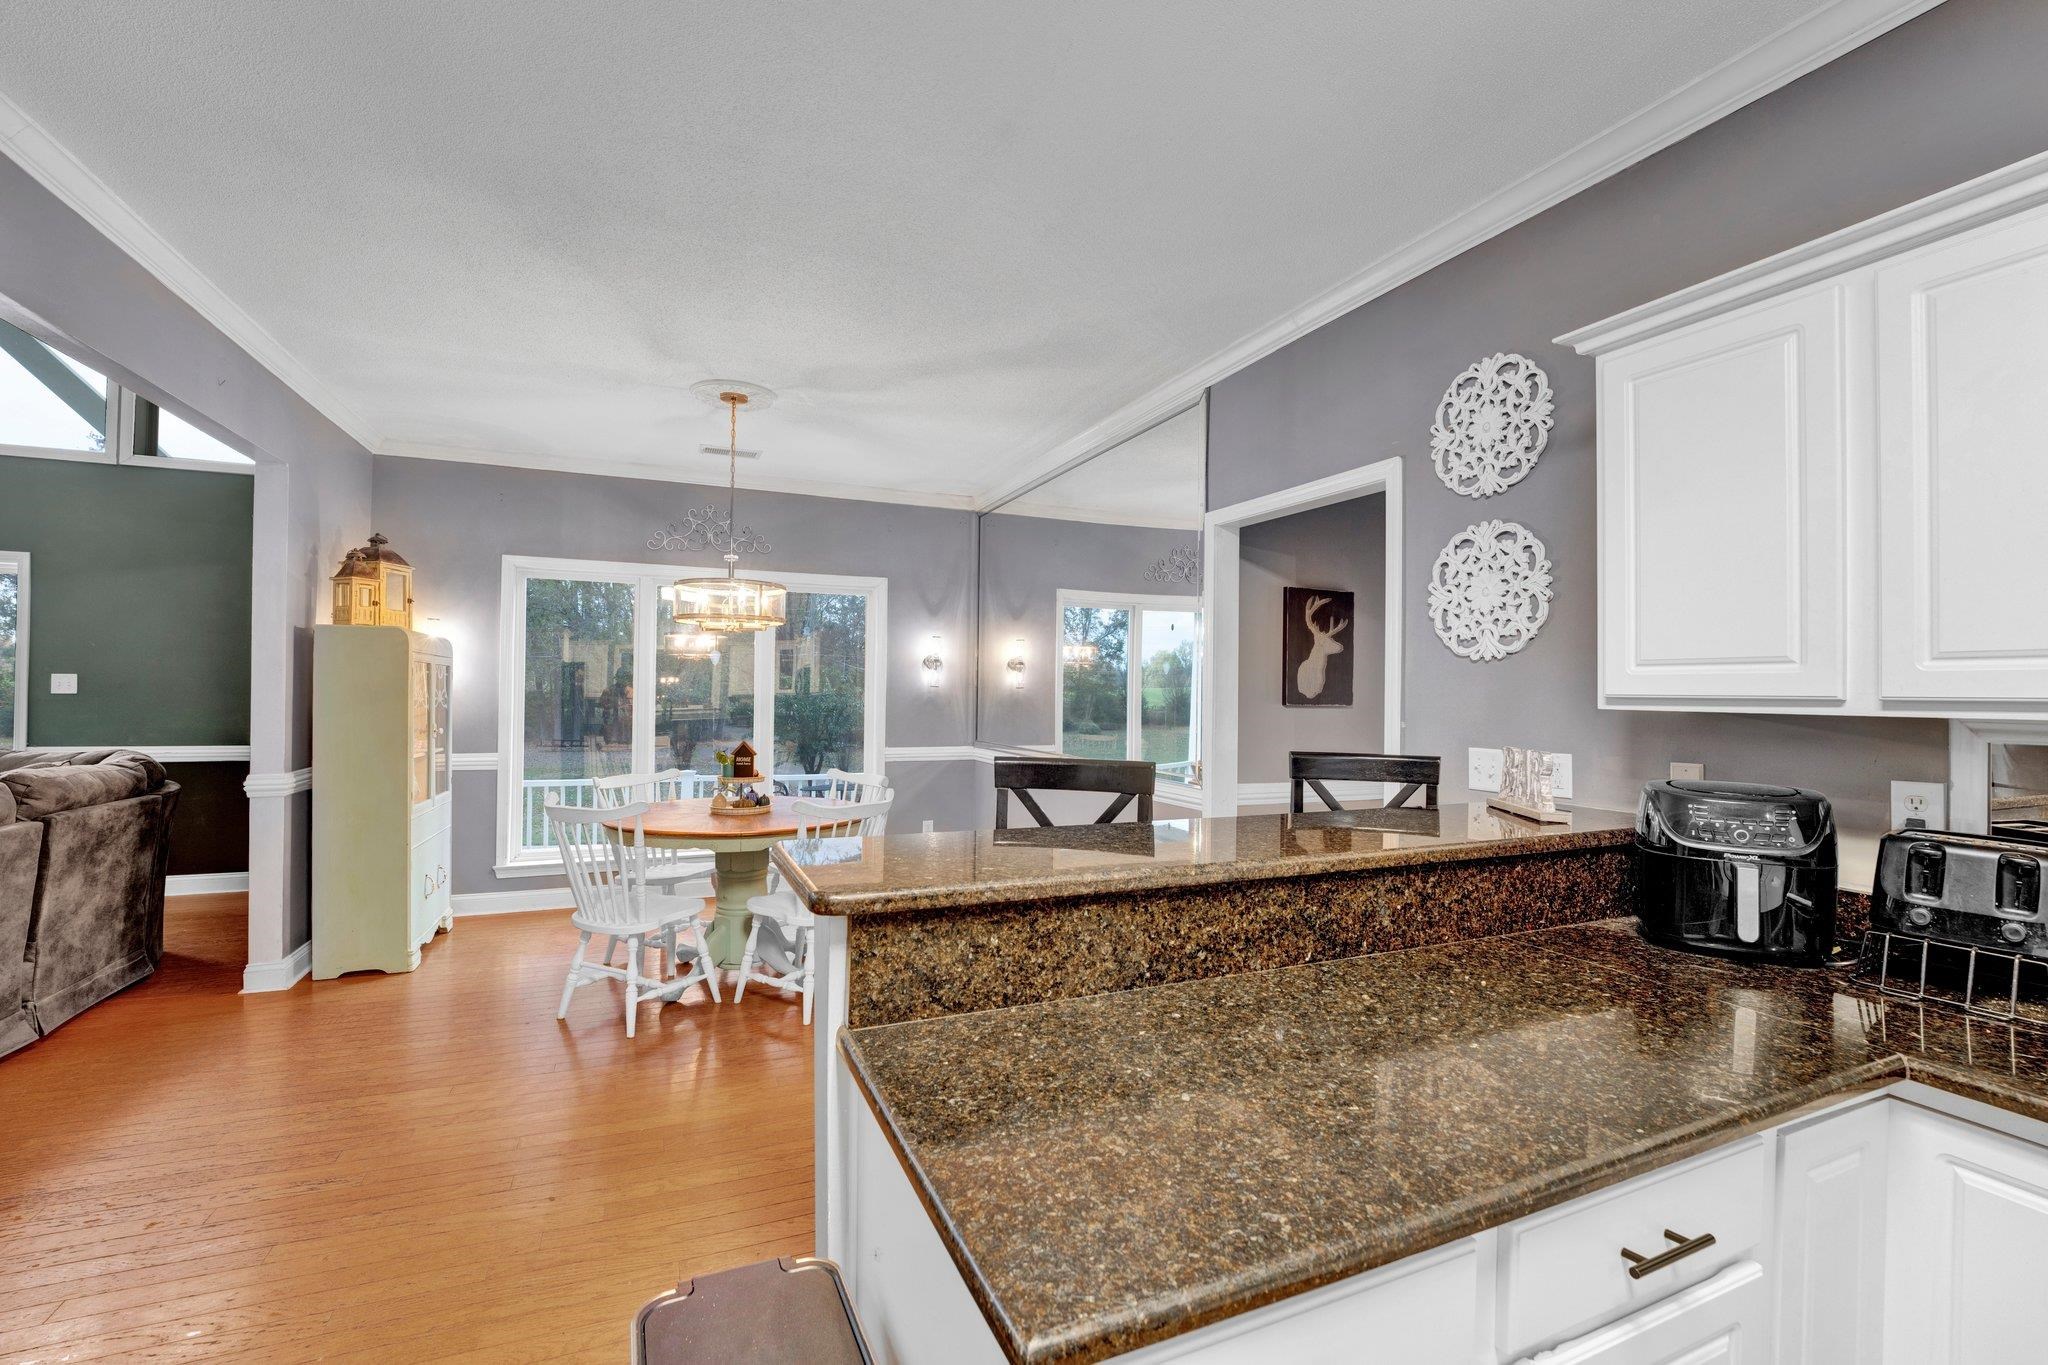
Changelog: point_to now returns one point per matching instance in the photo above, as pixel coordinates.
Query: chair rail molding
(162, 753)
(278, 784)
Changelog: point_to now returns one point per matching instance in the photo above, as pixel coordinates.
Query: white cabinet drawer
(1563, 1270)
(1722, 1322)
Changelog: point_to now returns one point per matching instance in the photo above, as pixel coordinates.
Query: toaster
(1973, 890)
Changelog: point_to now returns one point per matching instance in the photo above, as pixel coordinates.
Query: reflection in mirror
(1092, 579)
(2019, 790)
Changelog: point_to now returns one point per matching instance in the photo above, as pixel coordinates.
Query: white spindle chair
(606, 872)
(671, 871)
(840, 785)
(779, 941)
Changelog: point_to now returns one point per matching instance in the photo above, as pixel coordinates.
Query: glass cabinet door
(439, 729)
(422, 763)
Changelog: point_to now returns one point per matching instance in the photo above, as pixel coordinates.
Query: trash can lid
(792, 1308)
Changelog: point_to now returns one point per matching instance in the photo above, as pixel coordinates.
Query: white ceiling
(1156, 478)
(955, 237)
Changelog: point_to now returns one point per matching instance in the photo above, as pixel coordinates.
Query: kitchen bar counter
(895, 873)
(1115, 1170)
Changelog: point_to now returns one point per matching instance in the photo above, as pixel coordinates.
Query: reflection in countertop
(896, 872)
(1118, 1169)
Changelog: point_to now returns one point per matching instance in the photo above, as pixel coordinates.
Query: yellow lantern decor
(373, 587)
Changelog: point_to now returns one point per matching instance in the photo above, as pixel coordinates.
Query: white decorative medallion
(1489, 591)
(1491, 425)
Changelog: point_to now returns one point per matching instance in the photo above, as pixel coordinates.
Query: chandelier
(728, 605)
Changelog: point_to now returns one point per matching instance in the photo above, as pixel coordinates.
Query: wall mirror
(2018, 790)
(1090, 608)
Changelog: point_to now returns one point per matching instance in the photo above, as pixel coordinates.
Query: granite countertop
(1115, 1170)
(897, 872)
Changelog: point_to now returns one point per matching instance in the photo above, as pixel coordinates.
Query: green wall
(139, 584)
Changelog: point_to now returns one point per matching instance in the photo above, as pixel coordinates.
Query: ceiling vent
(722, 453)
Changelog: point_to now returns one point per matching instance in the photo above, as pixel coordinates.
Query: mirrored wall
(1090, 606)
(2019, 790)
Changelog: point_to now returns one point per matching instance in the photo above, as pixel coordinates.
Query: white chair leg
(747, 959)
(611, 945)
(704, 962)
(575, 971)
(804, 972)
(668, 948)
(632, 981)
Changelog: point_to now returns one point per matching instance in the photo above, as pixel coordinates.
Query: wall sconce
(934, 663)
(1016, 662)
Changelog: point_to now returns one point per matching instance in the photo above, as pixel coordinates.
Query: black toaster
(1968, 889)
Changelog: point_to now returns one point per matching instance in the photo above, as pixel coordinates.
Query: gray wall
(456, 522)
(1025, 562)
(1951, 95)
(1341, 546)
(312, 493)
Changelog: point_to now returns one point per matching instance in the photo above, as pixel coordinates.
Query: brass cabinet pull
(1641, 1265)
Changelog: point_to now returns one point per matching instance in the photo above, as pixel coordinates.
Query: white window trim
(1134, 698)
(647, 581)
(19, 739)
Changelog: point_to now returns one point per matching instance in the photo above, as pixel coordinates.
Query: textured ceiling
(951, 235)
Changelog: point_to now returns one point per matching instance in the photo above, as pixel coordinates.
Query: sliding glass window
(598, 681)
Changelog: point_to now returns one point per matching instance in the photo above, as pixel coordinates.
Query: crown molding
(1777, 61)
(53, 166)
(750, 480)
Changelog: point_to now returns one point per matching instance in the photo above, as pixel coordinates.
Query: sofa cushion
(8, 814)
(42, 789)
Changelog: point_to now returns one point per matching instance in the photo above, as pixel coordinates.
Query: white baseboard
(510, 902)
(206, 883)
(280, 975)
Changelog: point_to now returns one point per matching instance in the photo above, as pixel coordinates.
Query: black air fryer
(1737, 868)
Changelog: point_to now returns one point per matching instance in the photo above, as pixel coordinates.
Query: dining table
(739, 845)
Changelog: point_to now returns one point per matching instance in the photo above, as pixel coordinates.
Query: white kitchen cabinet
(1723, 508)
(1962, 334)
(1821, 476)
(1725, 1321)
(1830, 1241)
(1968, 1223)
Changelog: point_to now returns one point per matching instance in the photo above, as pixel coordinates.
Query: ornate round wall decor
(1491, 425)
(1489, 591)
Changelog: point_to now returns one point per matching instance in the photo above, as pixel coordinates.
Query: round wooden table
(739, 847)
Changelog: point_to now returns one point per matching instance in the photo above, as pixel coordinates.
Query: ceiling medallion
(1491, 425)
(1489, 590)
(730, 605)
(1183, 564)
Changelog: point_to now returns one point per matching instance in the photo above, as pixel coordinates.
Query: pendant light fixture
(728, 605)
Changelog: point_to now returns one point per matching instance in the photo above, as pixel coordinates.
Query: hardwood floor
(421, 1167)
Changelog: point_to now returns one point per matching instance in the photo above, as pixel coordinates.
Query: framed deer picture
(1315, 650)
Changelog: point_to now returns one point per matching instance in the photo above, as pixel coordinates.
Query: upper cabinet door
(1723, 509)
(1963, 450)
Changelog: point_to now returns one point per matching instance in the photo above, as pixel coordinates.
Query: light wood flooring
(392, 1168)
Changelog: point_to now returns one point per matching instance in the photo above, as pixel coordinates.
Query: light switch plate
(1560, 775)
(63, 684)
(1919, 805)
(927, 827)
(1688, 772)
(1482, 770)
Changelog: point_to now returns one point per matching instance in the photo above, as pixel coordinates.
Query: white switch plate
(1926, 802)
(63, 684)
(927, 827)
(1482, 770)
(1688, 772)
(1560, 774)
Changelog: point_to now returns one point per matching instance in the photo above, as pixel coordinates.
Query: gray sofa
(84, 844)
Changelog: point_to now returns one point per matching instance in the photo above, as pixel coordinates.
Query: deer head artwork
(1313, 672)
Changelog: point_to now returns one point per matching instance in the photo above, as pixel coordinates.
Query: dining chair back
(1415, 774)
(842, 820)
(670, 784)
(836, 784)
(604, 855)
(1127, 781)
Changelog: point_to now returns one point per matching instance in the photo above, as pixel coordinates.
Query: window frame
(1134, 693)
(20, 560)
(647, 580)
(121, 427)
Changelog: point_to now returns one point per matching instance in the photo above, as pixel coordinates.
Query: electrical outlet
(1482, 770)
(63, 684)
(1919, 805)
(1688, 772)
(1560, 774)
(927, 827)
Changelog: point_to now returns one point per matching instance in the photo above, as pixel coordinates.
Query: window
(597, 681)
(1129, 673)
(54, 406)
(13, 650)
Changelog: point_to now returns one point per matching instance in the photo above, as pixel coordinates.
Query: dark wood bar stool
(1415, 773)
(1022, 776)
